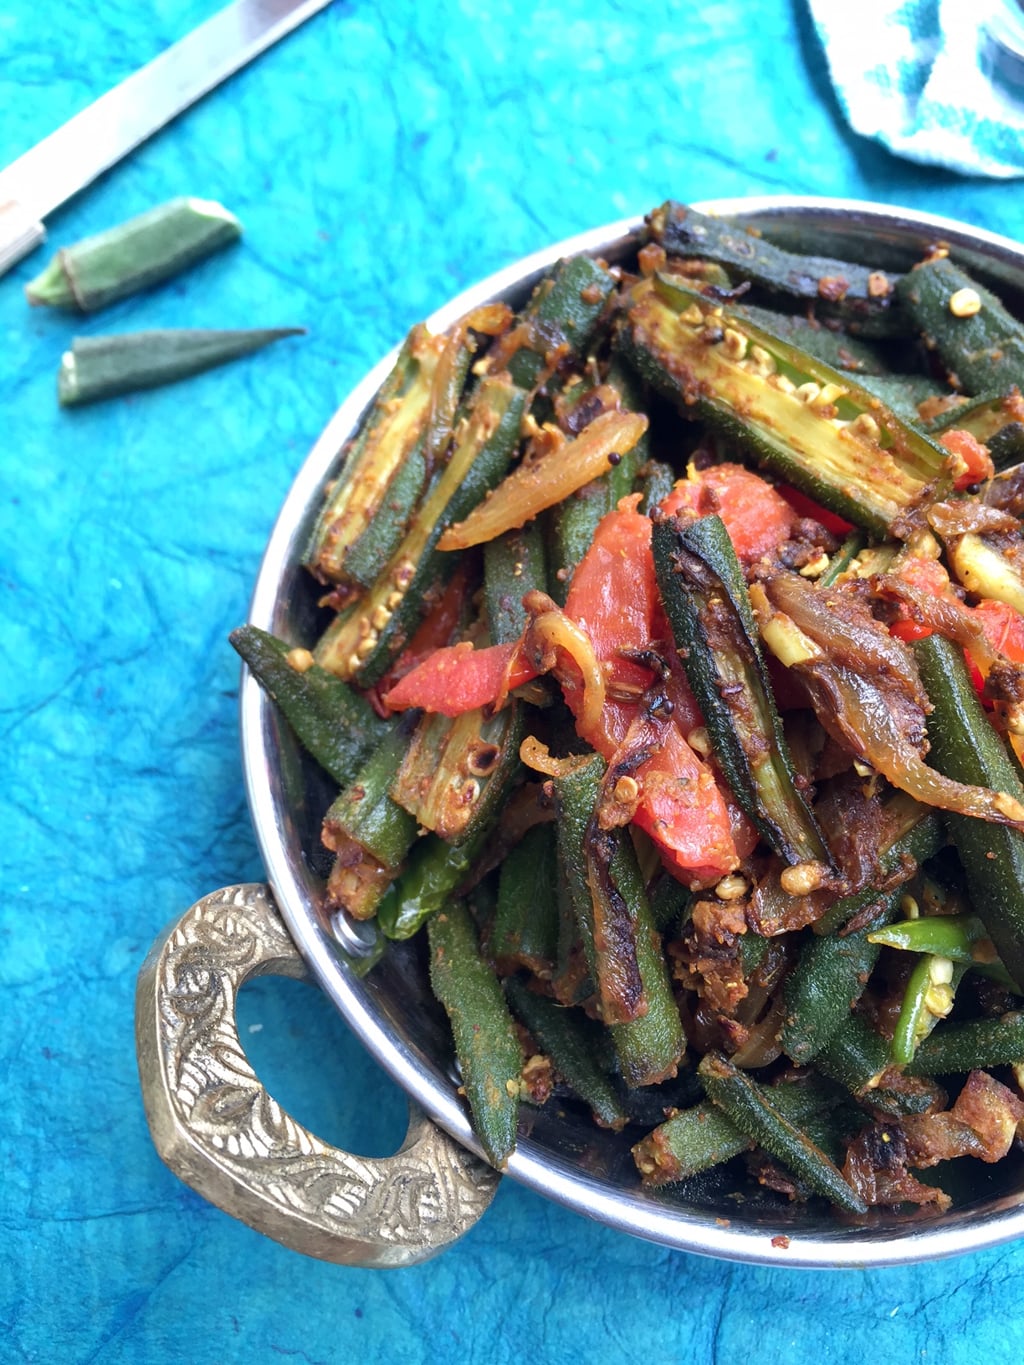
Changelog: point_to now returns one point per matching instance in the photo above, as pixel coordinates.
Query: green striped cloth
(934, 80)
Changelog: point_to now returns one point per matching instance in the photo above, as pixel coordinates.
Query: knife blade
(119, 121)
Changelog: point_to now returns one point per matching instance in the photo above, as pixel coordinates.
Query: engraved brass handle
(217, 1128)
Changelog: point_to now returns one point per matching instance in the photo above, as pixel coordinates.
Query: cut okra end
(134, 255)
(104, 367)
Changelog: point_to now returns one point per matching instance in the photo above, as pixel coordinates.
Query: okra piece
(751, 1108)
(514, 564)
(560, 319)
(817, 428)
(696, 1139)
(927, 999)
(657, 479)
(903, 393)
(835, 347)
(857, 1057)
(964, 746)
(984, 416)
(369, 833)
(961, 938)
(575, 520)
(135, 255)
(981, 344)
(971, 1044)
(827, 981)
(705, 597)
(486, 1044)
(456, 770)
(983, 568)
(333, 723)
(842, 559)
(622, 948)
(106, 366)
(525, 928)
(862, 296)
(361, 644)
(573, 1043)
(387, 450)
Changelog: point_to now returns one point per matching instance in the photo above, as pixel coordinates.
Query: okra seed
(801, 879)
(816, 567)
(300, 659)
(940, 970)
(763, 362)
(965, 303)
(865, 425)
(693, 316)
(734, 344)
(879, 285)
(381, 616)
(782, 382)
(830, 393)
(909, 907)
(483, 759)
(732, 887)
(809, 392)
(700, 741)
(626, 790)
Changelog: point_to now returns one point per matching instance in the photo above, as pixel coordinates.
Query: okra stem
(134, 255)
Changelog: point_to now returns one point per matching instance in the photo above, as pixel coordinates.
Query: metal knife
(115, 124)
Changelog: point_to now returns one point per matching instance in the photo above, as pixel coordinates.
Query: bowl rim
(675, 1226)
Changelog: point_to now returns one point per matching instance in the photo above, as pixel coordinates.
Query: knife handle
(20, 233)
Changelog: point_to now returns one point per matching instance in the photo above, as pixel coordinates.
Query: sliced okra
(622, 948)
(524, 932)
(981, 343)
(362, 643)
(862, 296)
(705, 597)
(369, 833)
(965, 747)
(816, 427)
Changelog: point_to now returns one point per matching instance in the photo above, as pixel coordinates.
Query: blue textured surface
(380, 160)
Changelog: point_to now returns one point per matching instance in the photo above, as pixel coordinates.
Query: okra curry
(673, 686)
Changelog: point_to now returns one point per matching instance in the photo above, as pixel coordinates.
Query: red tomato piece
(684, 812)
(1004, 628)
(971, 460)
(460, 678)
(807, 507)
(757, 518)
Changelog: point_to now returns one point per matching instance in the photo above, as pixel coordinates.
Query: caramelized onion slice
(537, 484)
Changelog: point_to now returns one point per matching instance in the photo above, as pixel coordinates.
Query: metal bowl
(392, 1010)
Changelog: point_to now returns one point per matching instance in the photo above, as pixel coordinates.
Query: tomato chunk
(460, 678)
(757, 518)
(971, 460)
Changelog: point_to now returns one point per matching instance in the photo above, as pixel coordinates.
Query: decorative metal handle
(217, 1128)
(20, 233)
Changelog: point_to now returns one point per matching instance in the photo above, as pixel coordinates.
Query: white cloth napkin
(924, 77)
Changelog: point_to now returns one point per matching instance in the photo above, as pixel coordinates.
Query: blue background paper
(381, 159)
